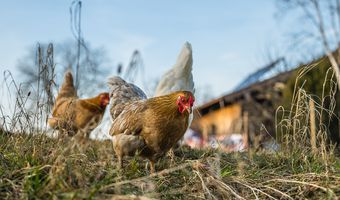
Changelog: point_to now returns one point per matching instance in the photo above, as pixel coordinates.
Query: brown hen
(148, 126)
(71, 114)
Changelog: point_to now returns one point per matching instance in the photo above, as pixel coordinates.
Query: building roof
(230, 98)
(272, 69)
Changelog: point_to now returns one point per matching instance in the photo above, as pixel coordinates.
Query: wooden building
(249, 111)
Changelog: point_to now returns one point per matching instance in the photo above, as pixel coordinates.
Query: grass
(39, 167)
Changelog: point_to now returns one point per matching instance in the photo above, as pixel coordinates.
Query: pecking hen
(71, 114)
(147, 126)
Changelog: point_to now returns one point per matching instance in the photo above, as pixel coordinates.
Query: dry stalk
(327, 190)
(313, 127)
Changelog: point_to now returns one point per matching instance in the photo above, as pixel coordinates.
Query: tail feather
(179, 77)
(184, 59)
(67, 89)
(68, 78)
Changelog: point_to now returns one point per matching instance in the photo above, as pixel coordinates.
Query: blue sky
(229, 38)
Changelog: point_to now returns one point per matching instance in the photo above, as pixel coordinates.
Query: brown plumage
(149, 126)
(71, 114)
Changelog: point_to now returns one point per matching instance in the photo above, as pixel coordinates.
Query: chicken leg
(152, 166)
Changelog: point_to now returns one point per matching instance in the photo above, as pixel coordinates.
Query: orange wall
(227, 120)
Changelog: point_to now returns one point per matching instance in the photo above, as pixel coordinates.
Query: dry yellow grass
(39, 167)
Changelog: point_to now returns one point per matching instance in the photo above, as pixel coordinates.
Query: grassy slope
(41, 167)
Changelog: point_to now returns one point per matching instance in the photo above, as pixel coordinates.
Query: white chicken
(179, 77)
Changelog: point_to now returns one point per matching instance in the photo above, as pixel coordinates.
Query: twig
(304, 183)
(161, 173)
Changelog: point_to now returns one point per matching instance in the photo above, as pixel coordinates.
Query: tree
(321, 25)
(93, 62)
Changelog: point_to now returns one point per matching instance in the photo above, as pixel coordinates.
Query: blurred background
(230, 39)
